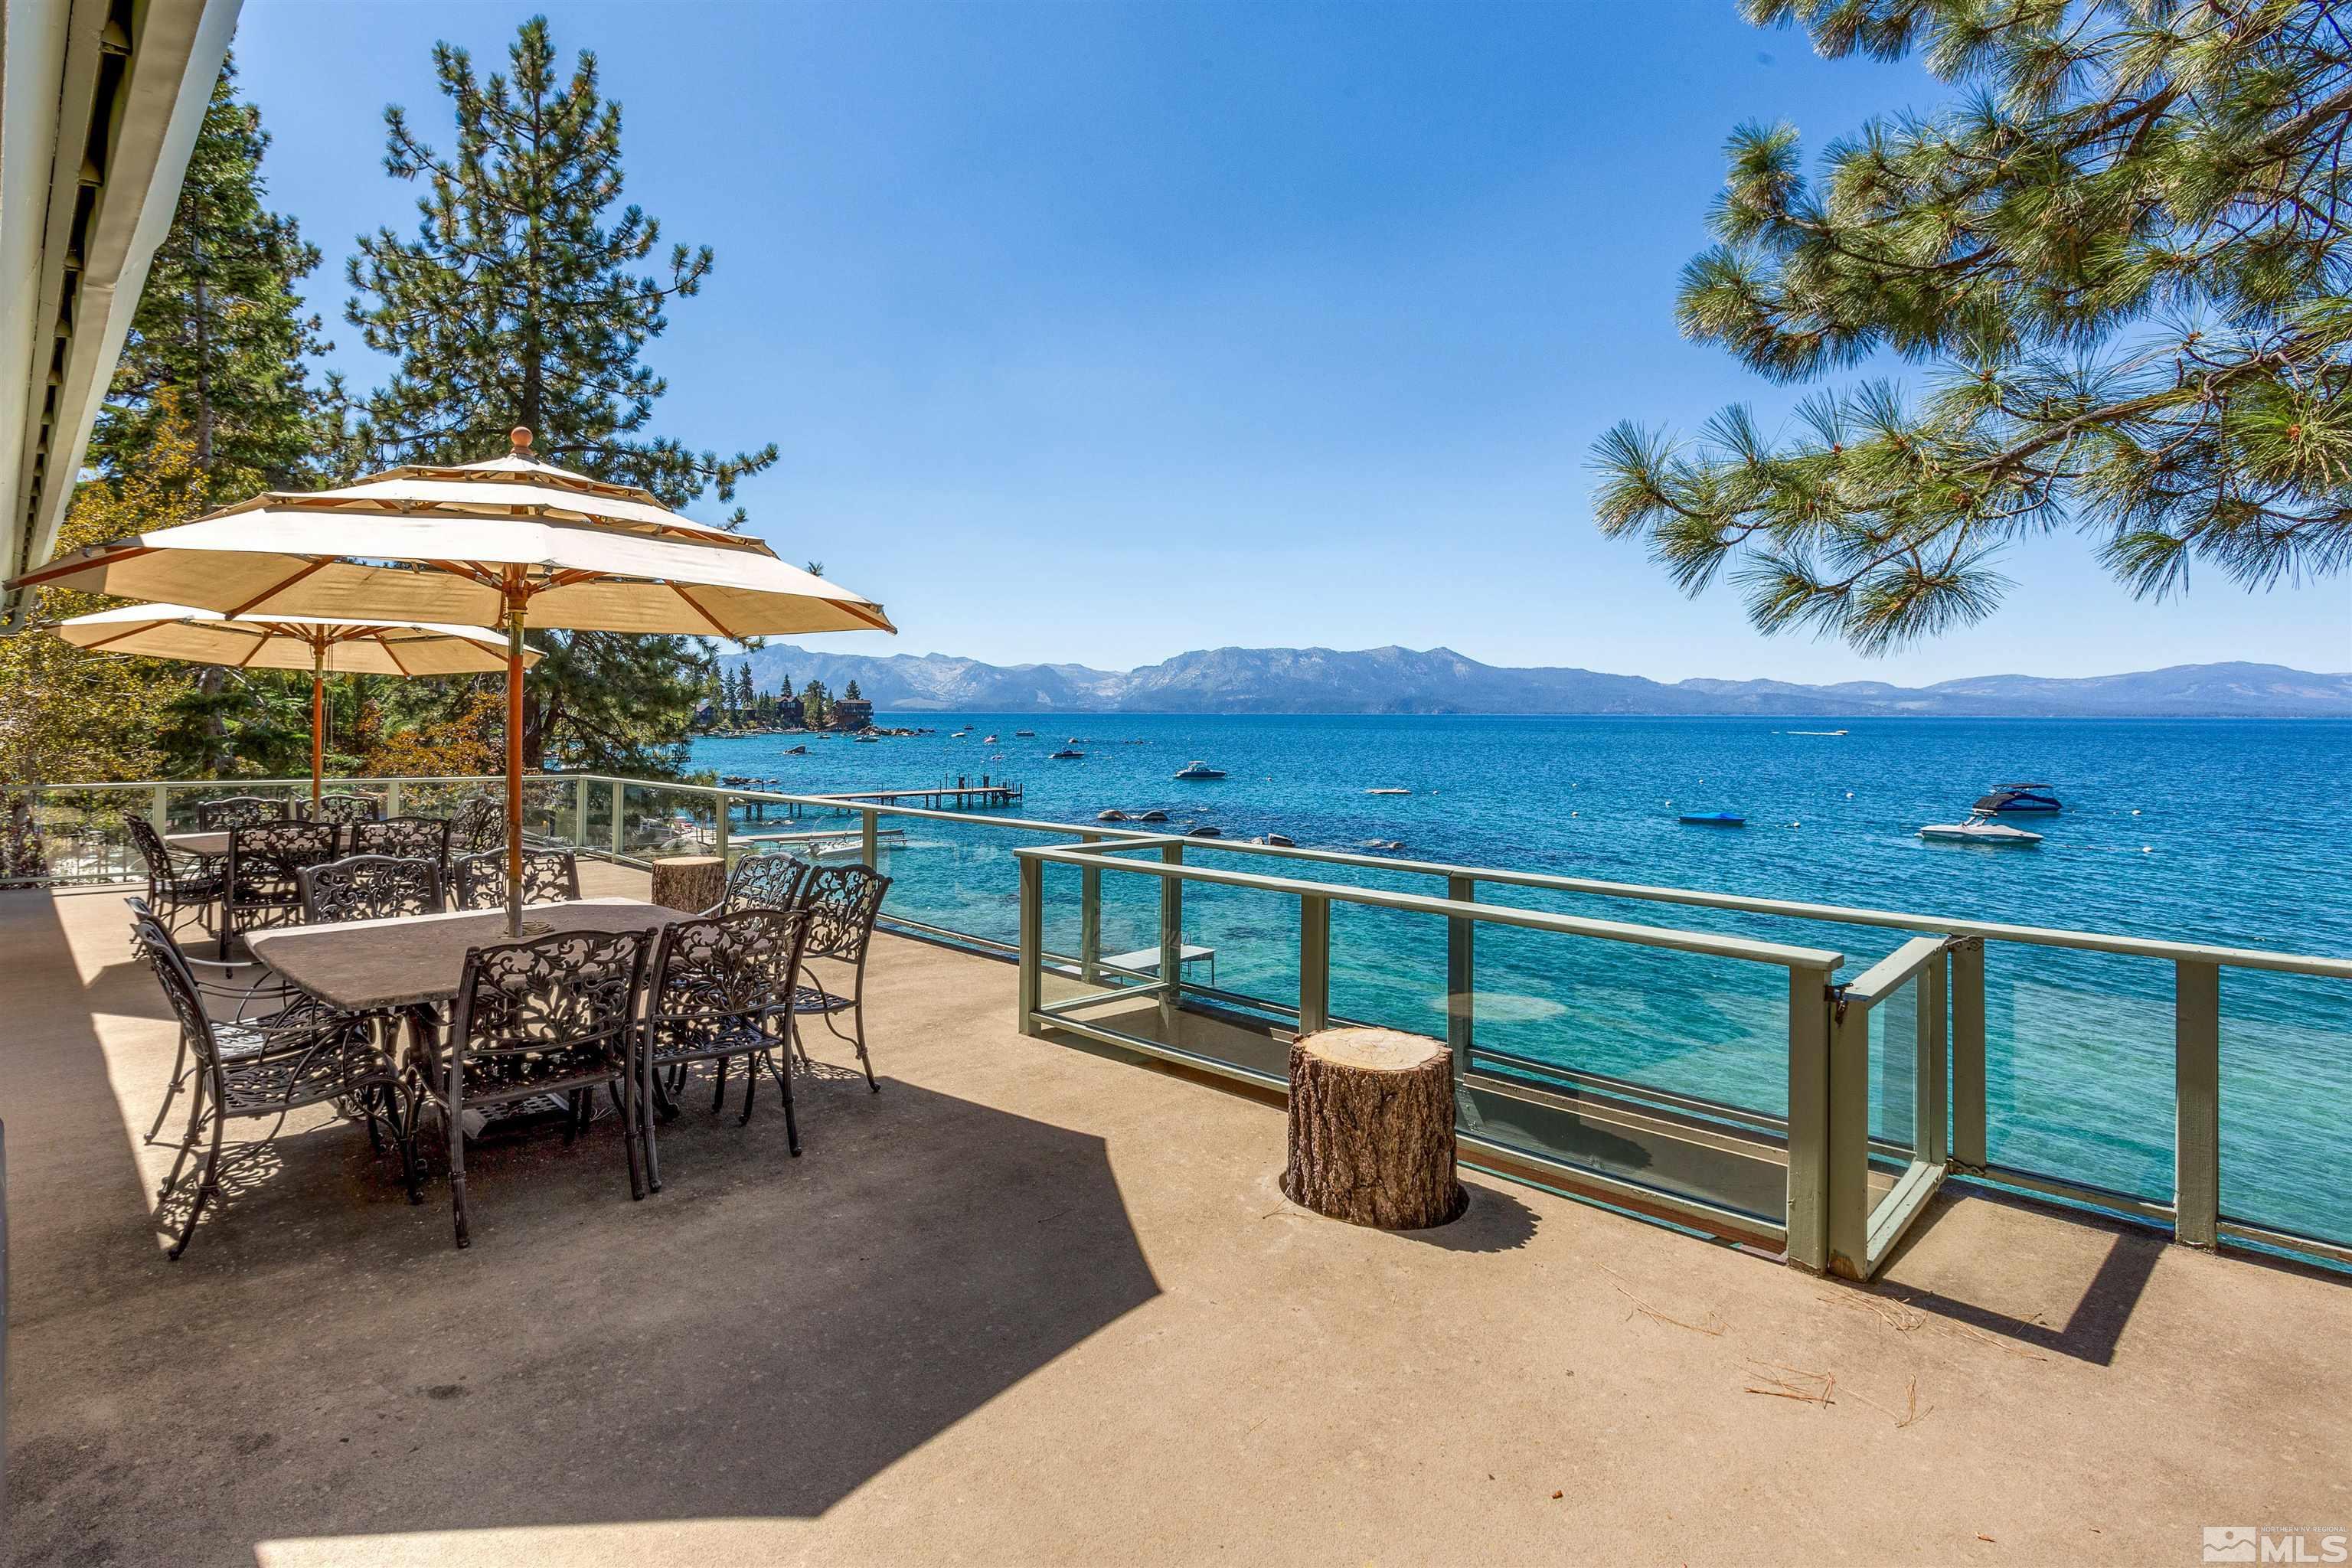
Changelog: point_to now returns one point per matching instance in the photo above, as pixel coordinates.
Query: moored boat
(1197, 769)
(2013, 798)
(1980, 830)
(1713, 819)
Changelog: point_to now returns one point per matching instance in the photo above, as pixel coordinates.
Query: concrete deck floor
(1031, 1304)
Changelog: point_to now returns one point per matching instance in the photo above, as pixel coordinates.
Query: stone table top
(364, 966)
(199, 843)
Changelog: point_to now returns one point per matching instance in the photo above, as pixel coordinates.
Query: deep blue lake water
(2219, 831)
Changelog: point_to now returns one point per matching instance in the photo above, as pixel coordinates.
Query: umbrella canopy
(450, 545)
(292, 642)
(513, 539)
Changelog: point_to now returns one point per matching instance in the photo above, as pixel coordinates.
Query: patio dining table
(377, 966)
(208, 844)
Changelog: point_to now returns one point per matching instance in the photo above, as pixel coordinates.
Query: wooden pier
(956, 797)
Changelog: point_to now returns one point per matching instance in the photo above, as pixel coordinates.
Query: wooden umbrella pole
(516, 599)
(318, 721)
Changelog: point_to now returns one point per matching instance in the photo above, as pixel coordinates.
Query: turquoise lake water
(2213, 831)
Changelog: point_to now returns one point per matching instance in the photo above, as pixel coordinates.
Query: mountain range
(1439, 680)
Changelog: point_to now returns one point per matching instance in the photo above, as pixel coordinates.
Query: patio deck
(1034, 1303)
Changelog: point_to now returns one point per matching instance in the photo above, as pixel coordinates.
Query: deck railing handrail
(1828, 1023)
(2322, 965)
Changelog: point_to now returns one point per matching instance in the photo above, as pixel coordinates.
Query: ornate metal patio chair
(301, 1057)
(264, 871)
(721, 988)
(239, 811)
(762, 882)
(843, 902)
(370, 888)
(176, 885)
(249, 1001)
(556, 1015)
(347, 808)
(481, 823)
(479, 881)
(406, 837)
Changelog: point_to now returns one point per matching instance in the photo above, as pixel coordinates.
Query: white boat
(1980, 830)
(1196, 769)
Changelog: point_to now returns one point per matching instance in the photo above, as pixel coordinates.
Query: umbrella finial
(521, 437)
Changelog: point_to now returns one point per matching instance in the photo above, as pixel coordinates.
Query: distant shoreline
(1439, 683)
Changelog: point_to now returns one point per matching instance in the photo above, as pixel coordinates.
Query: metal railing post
(1930, 1107)
(718, 834)
(2197, 1103)
(579, 811)
(1090, 916)
(1461, 973)
(1033, 943)
(1847, 1173)
(159, 809)
(1967, 1150)
(620, 798)
(1809, 1119)
(1314, 963)
(392, 797)
(867, 836)
(1171, 943)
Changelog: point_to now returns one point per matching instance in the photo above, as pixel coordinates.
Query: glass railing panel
(1242, 944)
(78, 837)
(1644, 1064)
(1893, 1065)
(2079, 1065)
(1687, 1025)
(2286, 1080)
(1388, 967)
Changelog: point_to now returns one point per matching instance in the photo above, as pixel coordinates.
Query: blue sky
(1097, 332)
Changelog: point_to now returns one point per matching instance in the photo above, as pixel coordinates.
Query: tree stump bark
(689, 882)
(1371, 1129)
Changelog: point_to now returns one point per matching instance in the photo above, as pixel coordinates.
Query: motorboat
(2017, 797)
(1025, 734)
(1980, 829)
(1713, 819)
(1280, 840)
(1197, 769)
(988, 740)
(1064, 755)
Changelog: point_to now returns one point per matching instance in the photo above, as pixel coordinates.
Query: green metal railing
(1816, 1180)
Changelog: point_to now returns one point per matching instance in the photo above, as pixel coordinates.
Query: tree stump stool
(1371, 1129)
(690, 882)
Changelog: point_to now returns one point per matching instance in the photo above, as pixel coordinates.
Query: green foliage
(221, 326)
(816, 705)
(2122, 254)
(517, 301)
(79, 715)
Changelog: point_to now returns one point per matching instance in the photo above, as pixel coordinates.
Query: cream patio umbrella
(512, 542)
(193, 636)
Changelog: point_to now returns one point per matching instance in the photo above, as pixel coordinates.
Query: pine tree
(853, 694)
(220, 347)
(221, 326)
(816, 706)
(2122, 254)
(517, 301)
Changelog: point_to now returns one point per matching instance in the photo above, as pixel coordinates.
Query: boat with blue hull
(1712, 819)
